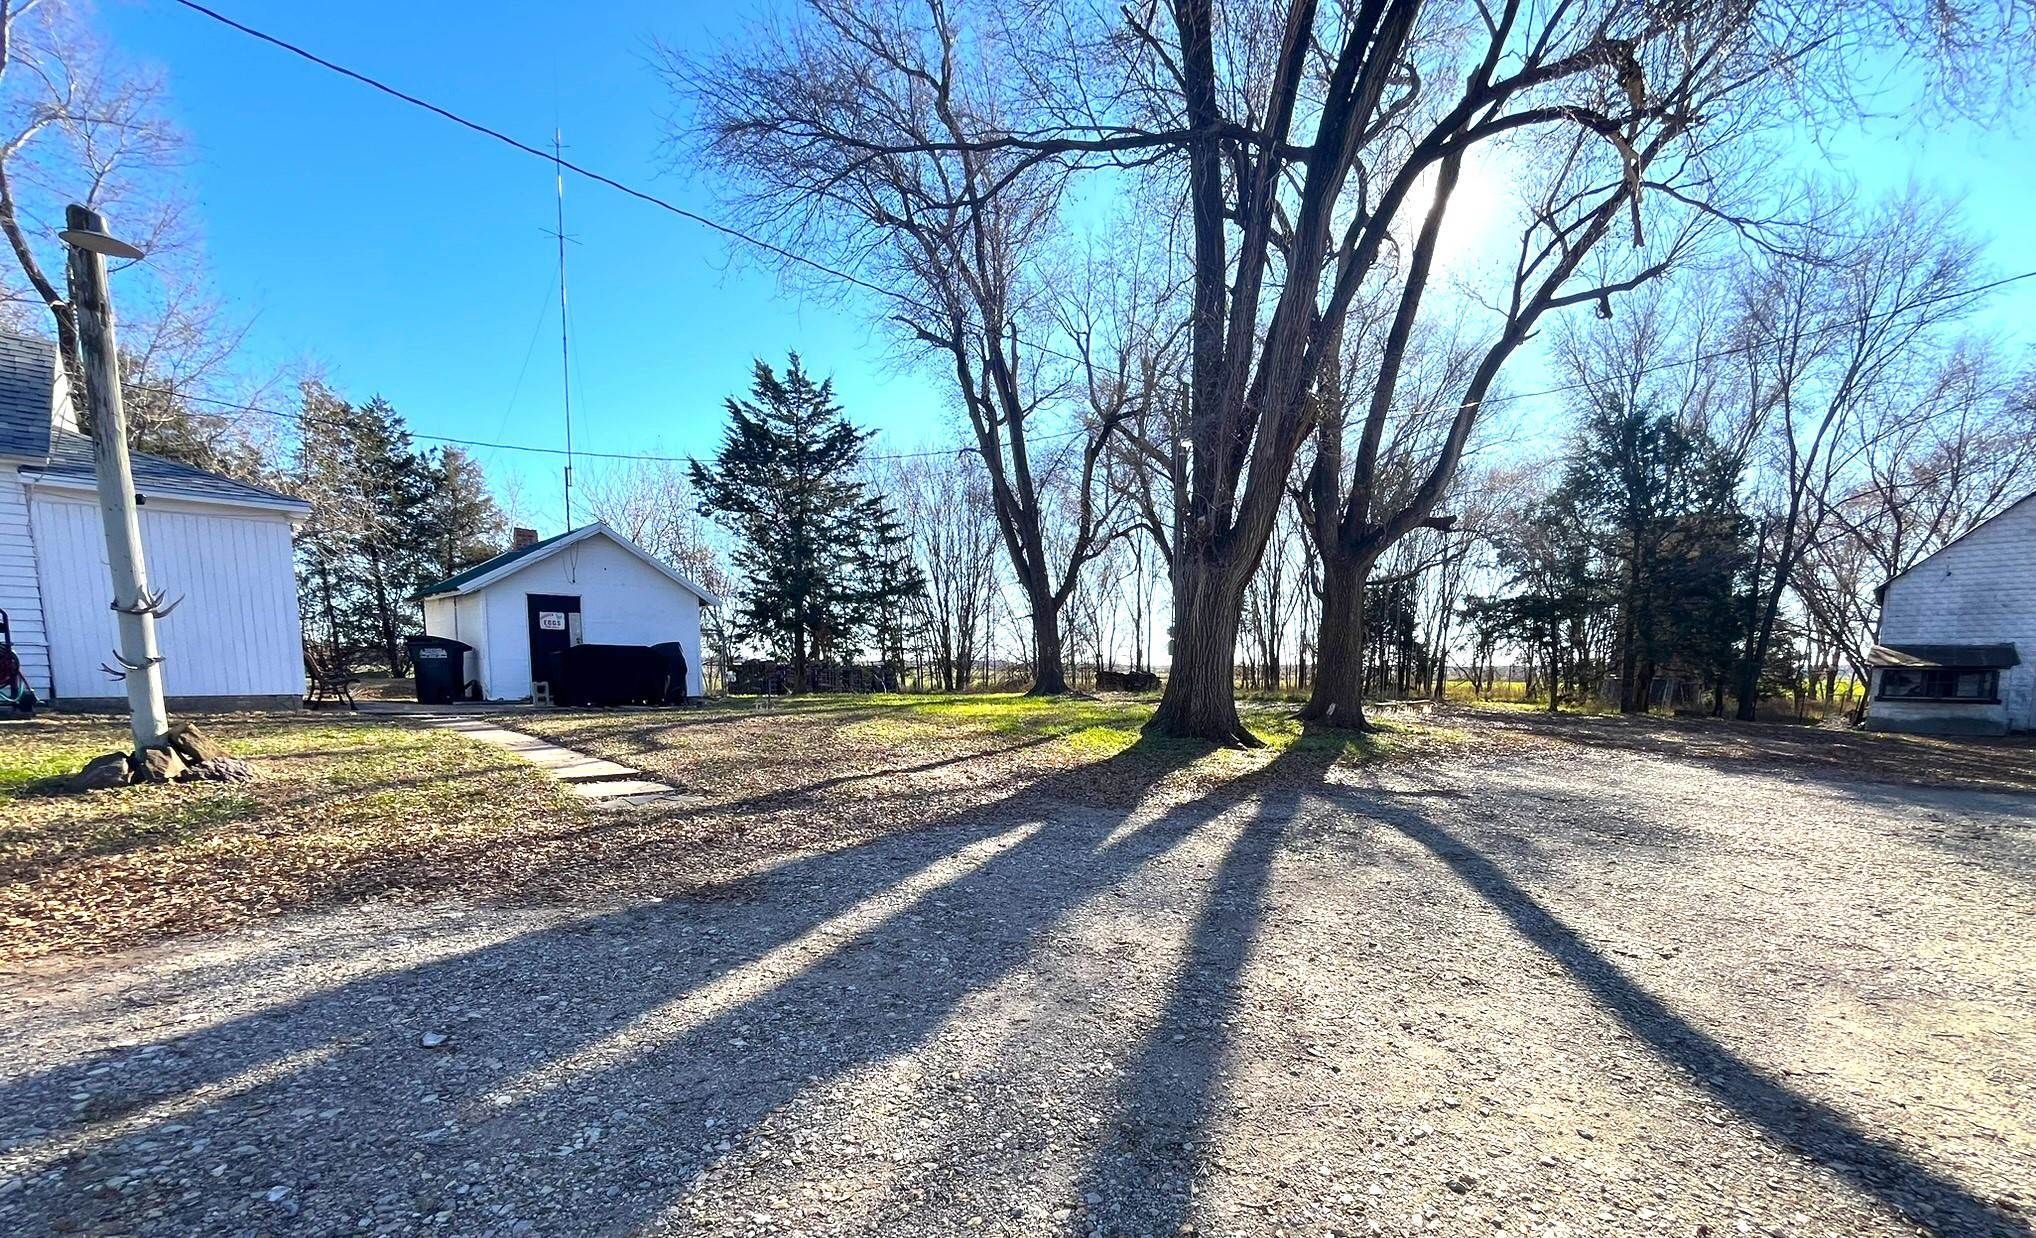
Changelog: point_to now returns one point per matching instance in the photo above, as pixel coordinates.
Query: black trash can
(440, 664)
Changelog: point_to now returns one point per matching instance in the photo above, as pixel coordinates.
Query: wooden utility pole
(85, 232)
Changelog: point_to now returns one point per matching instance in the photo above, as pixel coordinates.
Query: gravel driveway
(1555, 991)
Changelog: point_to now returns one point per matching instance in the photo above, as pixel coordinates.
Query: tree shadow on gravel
(1143, 1176)
(581, 992)
(1811, 1128)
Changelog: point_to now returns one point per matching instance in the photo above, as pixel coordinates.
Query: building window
(1939, 683)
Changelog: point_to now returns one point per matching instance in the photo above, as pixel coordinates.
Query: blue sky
(411, 258)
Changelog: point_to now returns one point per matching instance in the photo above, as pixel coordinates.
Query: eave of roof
(1913, 655)
(488, 571)
(1923, 562)
(459, 582)
(71, 465)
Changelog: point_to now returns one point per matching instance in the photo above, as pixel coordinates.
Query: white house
(590, 586)
(222, 546)
(1957, 642)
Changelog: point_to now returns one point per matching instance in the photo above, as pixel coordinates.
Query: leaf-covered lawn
(347, 809)
(340, 810)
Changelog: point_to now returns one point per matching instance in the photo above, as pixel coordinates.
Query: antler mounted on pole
(136, 606)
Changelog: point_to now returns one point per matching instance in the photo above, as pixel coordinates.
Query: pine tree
(393, 549)
(1659, 502)
(324, 478)
(462, 522)
(807, 530)
(888, 584)
(386, 519)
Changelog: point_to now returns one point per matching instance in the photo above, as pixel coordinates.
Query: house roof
(1964, 657)
(488, 571)
(71, 463)
(28, 376)
(458, 582)
(28, 369)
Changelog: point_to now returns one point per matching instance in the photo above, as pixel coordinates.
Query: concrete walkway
(606, 782)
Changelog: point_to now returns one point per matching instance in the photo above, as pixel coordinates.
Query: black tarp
(675, 663)
(609, 675)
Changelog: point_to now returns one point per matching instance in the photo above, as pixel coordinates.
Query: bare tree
(944, 503)
(76, 125)
(1826, 337)
(1298, 140)
(1931, 463)
(850, 131)
(653, 503)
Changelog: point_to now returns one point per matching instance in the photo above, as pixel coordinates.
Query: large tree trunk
(1200, 701)
(1049, 678)
(1337, 698)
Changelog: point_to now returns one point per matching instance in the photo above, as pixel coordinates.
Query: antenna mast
(565, 348)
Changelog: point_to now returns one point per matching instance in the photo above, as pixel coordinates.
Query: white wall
(20, 590)
(237, 631)
(461, 617)
(1980, 589)
(623, 601)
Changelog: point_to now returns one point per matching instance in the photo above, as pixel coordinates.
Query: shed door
(554, 626)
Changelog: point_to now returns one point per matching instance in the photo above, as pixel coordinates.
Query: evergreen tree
(393, 550)
(1552, 591)
(386, 519)
(324, 478)
(1659, 503)
(818, 572)
(889, 584)
(463, 523)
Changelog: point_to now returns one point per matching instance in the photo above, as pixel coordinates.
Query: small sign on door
(551, 620)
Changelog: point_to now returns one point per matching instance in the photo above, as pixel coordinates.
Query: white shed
(590, 586)
(1958, 635)
(221, 545)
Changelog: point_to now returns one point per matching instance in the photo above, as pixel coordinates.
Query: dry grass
(2007, 764)
(348, 809)
(341, 810)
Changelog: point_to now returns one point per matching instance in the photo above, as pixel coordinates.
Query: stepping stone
(589, 777)
(618, 788)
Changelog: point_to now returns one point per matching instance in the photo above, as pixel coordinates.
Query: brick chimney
(521, 537)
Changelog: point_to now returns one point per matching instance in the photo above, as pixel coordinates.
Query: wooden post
(132, 601)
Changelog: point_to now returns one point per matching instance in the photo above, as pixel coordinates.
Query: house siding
(20, 589)
(461, 619)
(1980, 589)
(236, 634)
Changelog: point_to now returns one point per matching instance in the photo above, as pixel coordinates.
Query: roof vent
(521, 538)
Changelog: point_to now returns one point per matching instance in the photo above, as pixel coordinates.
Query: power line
(553, 157)
(1955, 294)
(309, 419)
